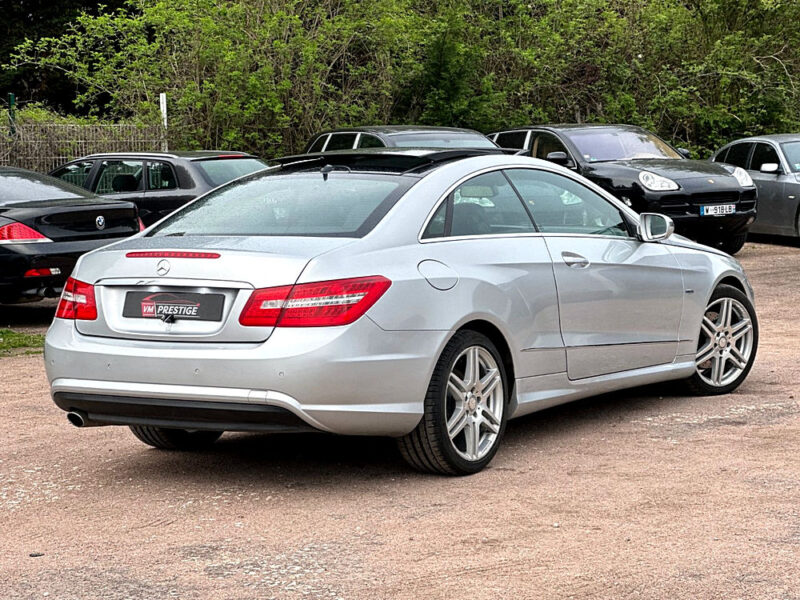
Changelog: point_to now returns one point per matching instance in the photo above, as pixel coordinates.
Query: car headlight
(657, 183)
(743, 177)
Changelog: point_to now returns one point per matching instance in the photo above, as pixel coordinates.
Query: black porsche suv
(709, 202)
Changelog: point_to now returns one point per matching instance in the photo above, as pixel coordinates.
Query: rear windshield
(222, 170)
(26, 186)
(442, 139)
(301, 204)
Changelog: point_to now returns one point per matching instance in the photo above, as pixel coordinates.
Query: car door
(772, 216)
(619, 299)
(120, 179)
(162, 194)
(483, 234)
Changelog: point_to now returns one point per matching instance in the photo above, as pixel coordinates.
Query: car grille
(689, 204)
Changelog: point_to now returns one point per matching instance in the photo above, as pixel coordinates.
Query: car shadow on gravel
(304, 460)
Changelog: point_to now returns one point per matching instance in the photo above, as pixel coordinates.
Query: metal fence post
(12, 115)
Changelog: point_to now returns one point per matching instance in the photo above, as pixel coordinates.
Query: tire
(718, 346)
(732, 243)
(453, 392)
(174, 439)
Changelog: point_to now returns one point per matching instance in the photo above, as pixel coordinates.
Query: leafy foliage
(263, 75)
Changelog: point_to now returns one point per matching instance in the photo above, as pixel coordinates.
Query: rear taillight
(321, 304)
(19, 233)
(77, 301)
(171, 254)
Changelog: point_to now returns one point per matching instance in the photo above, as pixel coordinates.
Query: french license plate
(717, 210)
(173, 306)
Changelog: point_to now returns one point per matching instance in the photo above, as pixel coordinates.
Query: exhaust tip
(76, 419)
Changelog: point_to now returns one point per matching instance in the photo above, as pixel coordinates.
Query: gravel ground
(642, 494)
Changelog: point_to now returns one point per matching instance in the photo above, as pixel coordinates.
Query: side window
(436, 226)
(341, 141)
(117, 176)
(737, 155)
(76, 173)
(488, 205)
(547, 143)
(160, 176)
(511, 139)
(561, 205)
(318, 144)
(369, 141)
(763, 153)
(722, 156)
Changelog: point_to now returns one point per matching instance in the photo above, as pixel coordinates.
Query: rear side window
(737, 155)
(160, 176)
(318, 144)
(341, 141)
(483, 205)
(511, 139)
(722, 156)
(369, 141)
(119, 176)
(302, 204)
(223, 170)
(76, 173)
(763, 153)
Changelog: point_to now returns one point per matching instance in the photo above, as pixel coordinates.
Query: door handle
(575, 261)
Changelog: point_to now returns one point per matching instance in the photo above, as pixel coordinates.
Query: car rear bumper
(356, 380)
(17, 259)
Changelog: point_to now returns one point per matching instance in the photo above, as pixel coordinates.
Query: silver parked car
(773, 162)
(422, 294)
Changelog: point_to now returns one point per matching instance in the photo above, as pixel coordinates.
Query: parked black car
(157, 182)
(773, 162)
(709, 202)
(45, 225)
(397, 136)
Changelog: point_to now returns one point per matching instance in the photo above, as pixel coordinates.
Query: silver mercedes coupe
(426, 295)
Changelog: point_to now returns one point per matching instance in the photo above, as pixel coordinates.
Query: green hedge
(264, 75)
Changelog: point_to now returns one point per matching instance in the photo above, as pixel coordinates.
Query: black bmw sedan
(45, 225)
(712, 203)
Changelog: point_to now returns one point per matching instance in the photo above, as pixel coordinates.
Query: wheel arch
(491, 331)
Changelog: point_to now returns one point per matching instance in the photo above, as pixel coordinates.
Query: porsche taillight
(77, 301)
(320, 304)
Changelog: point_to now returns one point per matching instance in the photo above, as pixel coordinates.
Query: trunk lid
(68, 220)
(205, 295)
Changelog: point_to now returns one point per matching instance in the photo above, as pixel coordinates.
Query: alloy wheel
(474, 403)
(726, 342)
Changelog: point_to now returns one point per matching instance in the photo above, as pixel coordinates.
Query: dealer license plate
(173, 306)
(716, 210)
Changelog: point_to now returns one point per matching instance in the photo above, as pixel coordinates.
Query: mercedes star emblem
(162, 268)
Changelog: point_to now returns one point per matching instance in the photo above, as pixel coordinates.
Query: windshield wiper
(176, 234)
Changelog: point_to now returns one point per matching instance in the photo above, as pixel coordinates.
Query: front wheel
(174, 439)
(465, 409)
(732, 242)
(727, 344)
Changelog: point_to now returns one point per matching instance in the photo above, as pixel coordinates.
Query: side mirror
(560, 158)
(770, 168)
(685, 153)
(654, 227)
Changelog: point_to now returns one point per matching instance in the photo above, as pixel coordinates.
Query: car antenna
(325, 170)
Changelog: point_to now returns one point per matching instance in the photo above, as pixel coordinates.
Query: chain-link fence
(44, 146)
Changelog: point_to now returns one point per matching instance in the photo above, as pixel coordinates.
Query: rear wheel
(174, 439)
(465, 409)
(727, 345)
